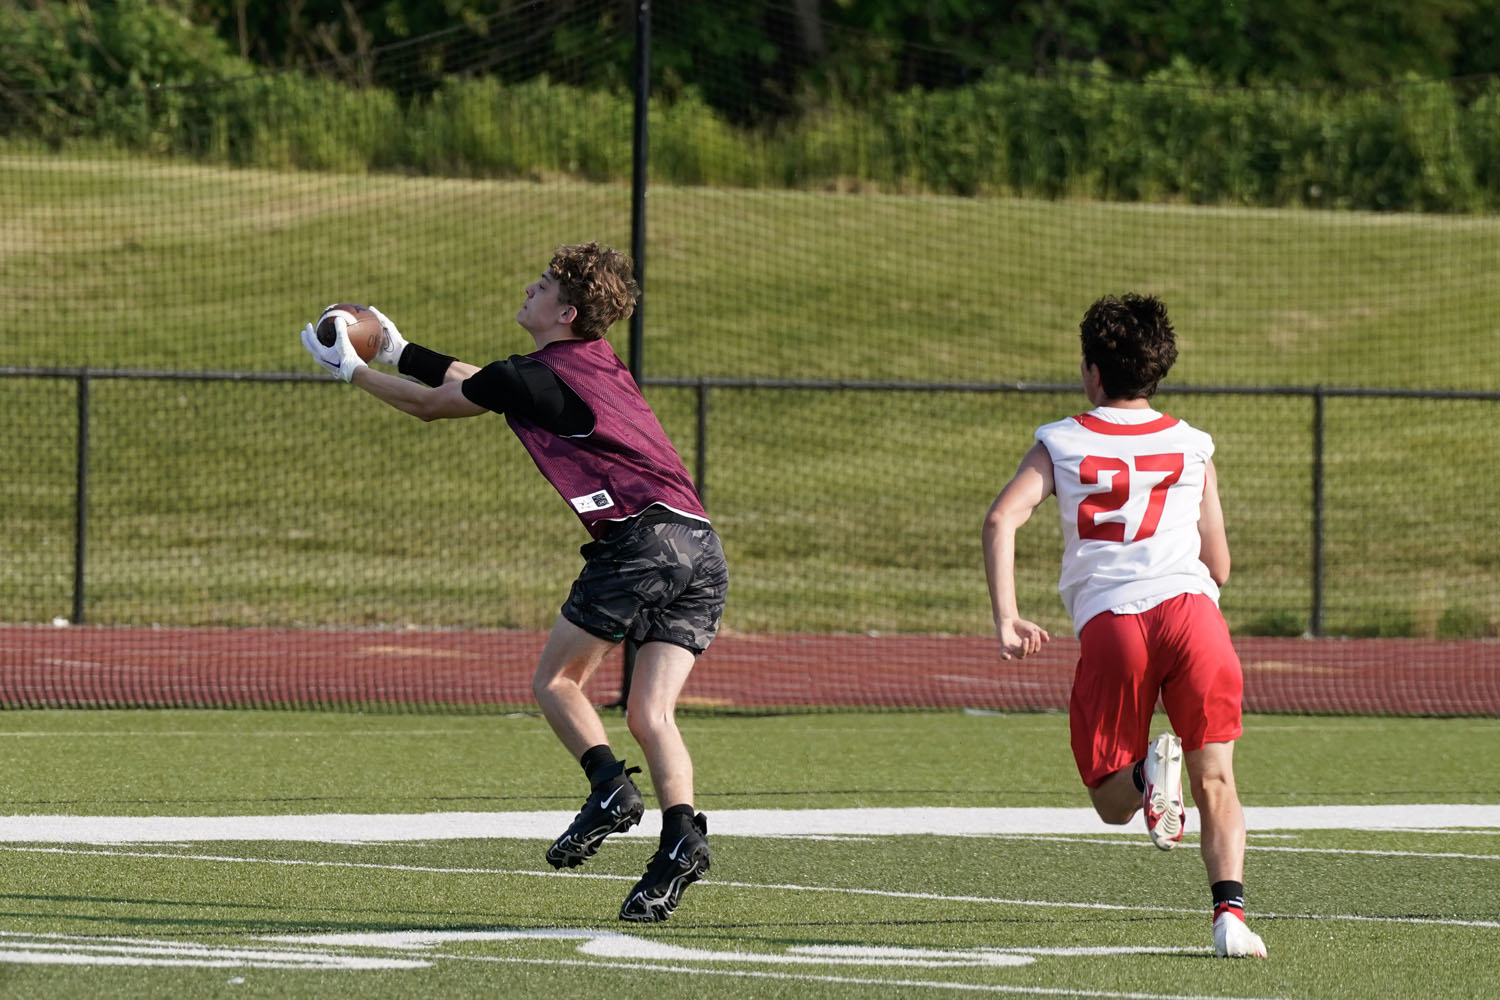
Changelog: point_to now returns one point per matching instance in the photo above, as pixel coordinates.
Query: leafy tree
(60, 59)
(754, 60)
(1299, 42)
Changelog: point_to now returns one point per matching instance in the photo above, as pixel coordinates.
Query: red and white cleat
(1161, 799)
(1232, 939)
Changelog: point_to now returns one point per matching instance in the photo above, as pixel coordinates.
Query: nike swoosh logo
(606, 802)
(672, 854)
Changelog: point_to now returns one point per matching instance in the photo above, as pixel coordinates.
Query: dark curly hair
(599, 282)
(1130, 338)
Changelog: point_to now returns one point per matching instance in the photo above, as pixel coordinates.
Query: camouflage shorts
(655, 581)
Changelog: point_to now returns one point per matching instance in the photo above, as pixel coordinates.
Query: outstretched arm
(1213, 544)
(438, 396)
(1025, 492)
(422, 401)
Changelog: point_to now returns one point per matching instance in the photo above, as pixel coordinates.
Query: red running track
(88, 666)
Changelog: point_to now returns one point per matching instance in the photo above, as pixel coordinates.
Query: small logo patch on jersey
(597, 500)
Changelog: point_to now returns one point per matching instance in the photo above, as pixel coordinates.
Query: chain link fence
(851, 363)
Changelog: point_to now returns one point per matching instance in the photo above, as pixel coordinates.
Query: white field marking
(882, 951)
(1261, 848)
(77, 949)
(413, 940)
(47, 949)
(795, 977)
(1382, 854)
(929, 821)
(1470, 831)
(615, 944)
(930, 959)
(774, 886)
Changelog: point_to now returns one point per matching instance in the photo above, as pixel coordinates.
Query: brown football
(363, 327)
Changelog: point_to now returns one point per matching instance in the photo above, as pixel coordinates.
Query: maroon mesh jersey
(626, 463)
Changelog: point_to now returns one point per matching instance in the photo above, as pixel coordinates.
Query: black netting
(855, 317)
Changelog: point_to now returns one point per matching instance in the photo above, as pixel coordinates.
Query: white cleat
(1232, 939)
(1162, 798)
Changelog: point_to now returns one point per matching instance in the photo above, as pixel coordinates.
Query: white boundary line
(543, 825)
(930, 984)
(56, 949)
(1119, 841)
(772, 886)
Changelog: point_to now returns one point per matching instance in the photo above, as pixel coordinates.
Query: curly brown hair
(1130, 338)
(599, 282)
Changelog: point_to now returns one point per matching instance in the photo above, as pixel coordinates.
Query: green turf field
(1094, 913)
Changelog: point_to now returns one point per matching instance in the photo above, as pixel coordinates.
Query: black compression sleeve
(497, 388)
(424, 365)
(526, 388)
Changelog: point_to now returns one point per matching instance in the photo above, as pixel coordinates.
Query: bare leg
(567, 662)
(661, 669)
(1211, 771)
(684, 856)
(1116, 799)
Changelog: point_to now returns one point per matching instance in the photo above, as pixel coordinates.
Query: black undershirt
(526, 388)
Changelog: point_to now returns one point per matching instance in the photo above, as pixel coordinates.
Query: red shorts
(1179, 649)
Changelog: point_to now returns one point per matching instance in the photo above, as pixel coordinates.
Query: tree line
(546, 89)
(768, 59)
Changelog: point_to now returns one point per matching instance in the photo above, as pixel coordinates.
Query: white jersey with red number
(1129, 485)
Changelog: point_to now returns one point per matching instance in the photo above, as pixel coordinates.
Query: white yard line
(719, 883)
(1188, 845)
(544, 825)
(606, 950)
(884, 984)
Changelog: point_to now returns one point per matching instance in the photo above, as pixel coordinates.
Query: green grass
(1343, 911)
(134, 263)
(840, 510)
(109, 762)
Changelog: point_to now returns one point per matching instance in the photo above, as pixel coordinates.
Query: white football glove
(339, 359)
(391, 341)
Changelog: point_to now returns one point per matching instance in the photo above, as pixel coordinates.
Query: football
(363, 328)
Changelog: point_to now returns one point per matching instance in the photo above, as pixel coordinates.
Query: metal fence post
(639, 136)
(639, 143)
(81, 495)
(1315, 618)
(700, 471)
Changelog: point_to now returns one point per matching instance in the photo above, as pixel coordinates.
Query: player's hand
(392, 343)
(338, 359)
(1019, 638)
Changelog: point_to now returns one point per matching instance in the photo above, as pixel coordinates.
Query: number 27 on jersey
(1167, 467)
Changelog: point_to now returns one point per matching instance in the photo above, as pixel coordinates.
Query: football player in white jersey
(1143, 558)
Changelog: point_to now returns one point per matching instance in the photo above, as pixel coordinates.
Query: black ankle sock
(1138, 775)
(1229, 896)
(676, 822)
(598, 764)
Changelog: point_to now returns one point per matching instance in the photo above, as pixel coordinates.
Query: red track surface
(102, 667)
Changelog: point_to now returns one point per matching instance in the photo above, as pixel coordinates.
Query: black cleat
(672, 869)
(612, 806)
